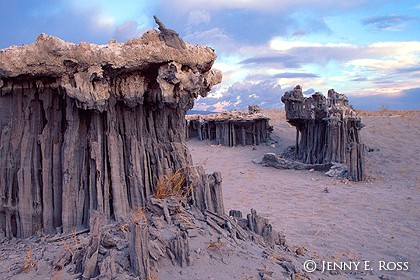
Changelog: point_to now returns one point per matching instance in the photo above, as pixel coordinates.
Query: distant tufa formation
(230, 128)
(327, 130)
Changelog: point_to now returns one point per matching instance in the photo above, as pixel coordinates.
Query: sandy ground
(337, 221)
(375, 221)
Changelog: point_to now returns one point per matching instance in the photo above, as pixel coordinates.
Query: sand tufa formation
(92, 127)
(92, 139)
(327, 130)
(230, 128)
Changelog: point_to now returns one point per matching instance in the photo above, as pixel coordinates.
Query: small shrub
(173, 185)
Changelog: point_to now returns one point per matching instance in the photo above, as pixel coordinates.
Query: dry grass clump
(173, 185)
(73, 245)
(315, 255)
(247, 277)
(57, 271)
(213, 245)
(403, 170)
(152, 276)
(337, 257)
(185, 219)
(301, 251)
(139, 216)
(70, 247)
(29, 262)
(352, 256)
(278, 257)
(123, 227)
(301, 276)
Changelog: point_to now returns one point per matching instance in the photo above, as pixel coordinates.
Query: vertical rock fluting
(327, 130)
(92, 127)
(230, 128)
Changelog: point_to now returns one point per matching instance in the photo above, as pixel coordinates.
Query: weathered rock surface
(91, 138)
(92, 127)
(327, 130)
(95, 75)
(231, 128)
(279, 162)
(148, 245)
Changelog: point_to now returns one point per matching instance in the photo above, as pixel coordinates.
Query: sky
(367, 49)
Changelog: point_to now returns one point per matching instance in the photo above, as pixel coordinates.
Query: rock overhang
(94, 74)
(93, 127)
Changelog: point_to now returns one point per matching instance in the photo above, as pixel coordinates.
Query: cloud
(289, 75)
(318, 25)
(251, 22)
(378, 55)
(359, 79)
(53, 18)
(238, 96)
(208, 37)
(266, 5)
(198, 17)
(72, 20)
(299, 33)
(282, 60)
(313, 24)
(407, 70)
(130, 10)
(253, 27)
(281, 44)
(309, 92)
(216, 38)
(359, 70)
(381, 69)
(408, 99)
(243, 21)
(388, 22)
(306, 52)
(265, 41)
(390, 58)
(126, 31)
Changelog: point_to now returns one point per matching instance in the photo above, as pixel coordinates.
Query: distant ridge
(197, 112)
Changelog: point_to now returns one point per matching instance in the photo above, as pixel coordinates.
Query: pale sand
(376, 220)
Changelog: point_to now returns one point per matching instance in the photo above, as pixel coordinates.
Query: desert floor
(375, 220)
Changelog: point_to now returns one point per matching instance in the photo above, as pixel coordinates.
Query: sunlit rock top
(94, 73)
